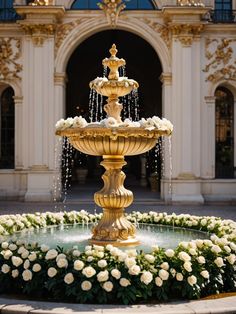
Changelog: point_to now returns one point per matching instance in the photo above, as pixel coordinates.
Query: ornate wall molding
(112, 9)
(42, 2)
(39, 32)
(186, 33)
(190, 3)
(163, 30)
(221, 56)
(10, 52)
(63, 30)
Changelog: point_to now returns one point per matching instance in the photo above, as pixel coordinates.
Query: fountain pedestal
(114, 228)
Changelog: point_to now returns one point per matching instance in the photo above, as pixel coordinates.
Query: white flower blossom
(51, 254)
(51, 272)
(62, 263)
(205, 274)
(36, 267)
(169, 253)
(27, 275)
(107, 286)
(102, 276)
(179, 277)
(116, 273)
(5, 268)
(158, 281)
(86, 285)
(69, 278)
(89, 271)
(102, 263)
(78, 265)
(163, 274)
(124, 282)
(192, 280)
(146, 277)
(134, 270)
(16, 261)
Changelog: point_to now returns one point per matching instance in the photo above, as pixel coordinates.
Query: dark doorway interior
(85, 64)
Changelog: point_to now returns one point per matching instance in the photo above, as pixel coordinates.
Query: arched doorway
(224, 117)
(7, 129)
(85, 64)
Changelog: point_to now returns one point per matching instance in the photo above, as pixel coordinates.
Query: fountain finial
(113, 51)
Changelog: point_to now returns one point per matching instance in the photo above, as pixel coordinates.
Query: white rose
(131, 253)
(204, 274)
(165, 266)
(150, 258)
(36, 267)
(5, 268)
(78, 265)
(25, 254)
(179, 277)
(173, 272)
(44, 248)
(124, 282)
(146, 277)
(89, 271)
(134, 270)
(110, 122)
(188, 266)
(26, 264)
(227, 249)
(90, 258)
(16, 261)
(99, 254)
(69, 278)
(116, 273)
(184, 256)
(7, 254)
(108, 286)
(59, 256)
(158, 281)
(15, 273)
(193, 252)
(163, 274)
(27, 275)
(32, 257)
(12, 247)
(192, 280)
(103, 276)
(51, 254)
(201, 259)
(219, 261)
(199, 243)
(130, 261)
(231, 258)
(86, 285)
(79, 122)
(155, 248)
(4, 245)
(62, 263)
(169, 253)
(215, 249)
(102, 263)
(52, 272)
(76, 253)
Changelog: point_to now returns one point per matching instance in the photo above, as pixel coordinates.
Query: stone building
(182, 52)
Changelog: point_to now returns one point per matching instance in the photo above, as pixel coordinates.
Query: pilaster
(18, 132)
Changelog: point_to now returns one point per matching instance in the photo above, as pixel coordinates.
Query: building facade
(195, 42)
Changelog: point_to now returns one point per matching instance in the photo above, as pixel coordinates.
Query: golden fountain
(113, 143)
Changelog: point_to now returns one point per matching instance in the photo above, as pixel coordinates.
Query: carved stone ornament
(41, 2)
(112, 9)
(221, 56)
(39, 32)
(159, 28)
(10, 51)
(186, 33)
(190, 3)
(63, 30)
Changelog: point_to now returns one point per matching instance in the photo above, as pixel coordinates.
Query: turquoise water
(67, 236)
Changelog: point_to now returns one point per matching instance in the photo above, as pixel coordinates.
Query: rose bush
(107, 274)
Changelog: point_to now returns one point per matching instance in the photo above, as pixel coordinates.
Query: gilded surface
(112, 9)
(10, 51)
(39, 32)
(190, 3)
(113, 144)
(220, 54)
(41, 2)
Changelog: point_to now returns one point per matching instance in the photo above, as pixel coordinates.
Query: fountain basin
(122, 141)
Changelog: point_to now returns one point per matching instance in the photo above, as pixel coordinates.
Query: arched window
(7, 129)
(130, 5)
(224, 117)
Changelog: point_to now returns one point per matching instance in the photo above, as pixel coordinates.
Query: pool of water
(67, 236)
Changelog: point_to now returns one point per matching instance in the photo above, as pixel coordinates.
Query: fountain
(113, 141)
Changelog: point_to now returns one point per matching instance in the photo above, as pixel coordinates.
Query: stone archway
(85, 64)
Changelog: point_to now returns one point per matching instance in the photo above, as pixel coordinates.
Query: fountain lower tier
(113, 144)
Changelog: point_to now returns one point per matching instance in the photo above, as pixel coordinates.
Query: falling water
(57, 166)
(170, 167)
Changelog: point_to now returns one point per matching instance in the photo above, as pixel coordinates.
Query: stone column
(208, 142)
(38, 90)
(18, 132)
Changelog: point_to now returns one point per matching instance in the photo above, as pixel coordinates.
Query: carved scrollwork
(10, 51)
(112, 9)
(221, 60)
(39, 32)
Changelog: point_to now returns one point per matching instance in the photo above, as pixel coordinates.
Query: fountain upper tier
(115, 86)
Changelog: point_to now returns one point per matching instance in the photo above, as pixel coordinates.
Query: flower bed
(110, 275)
